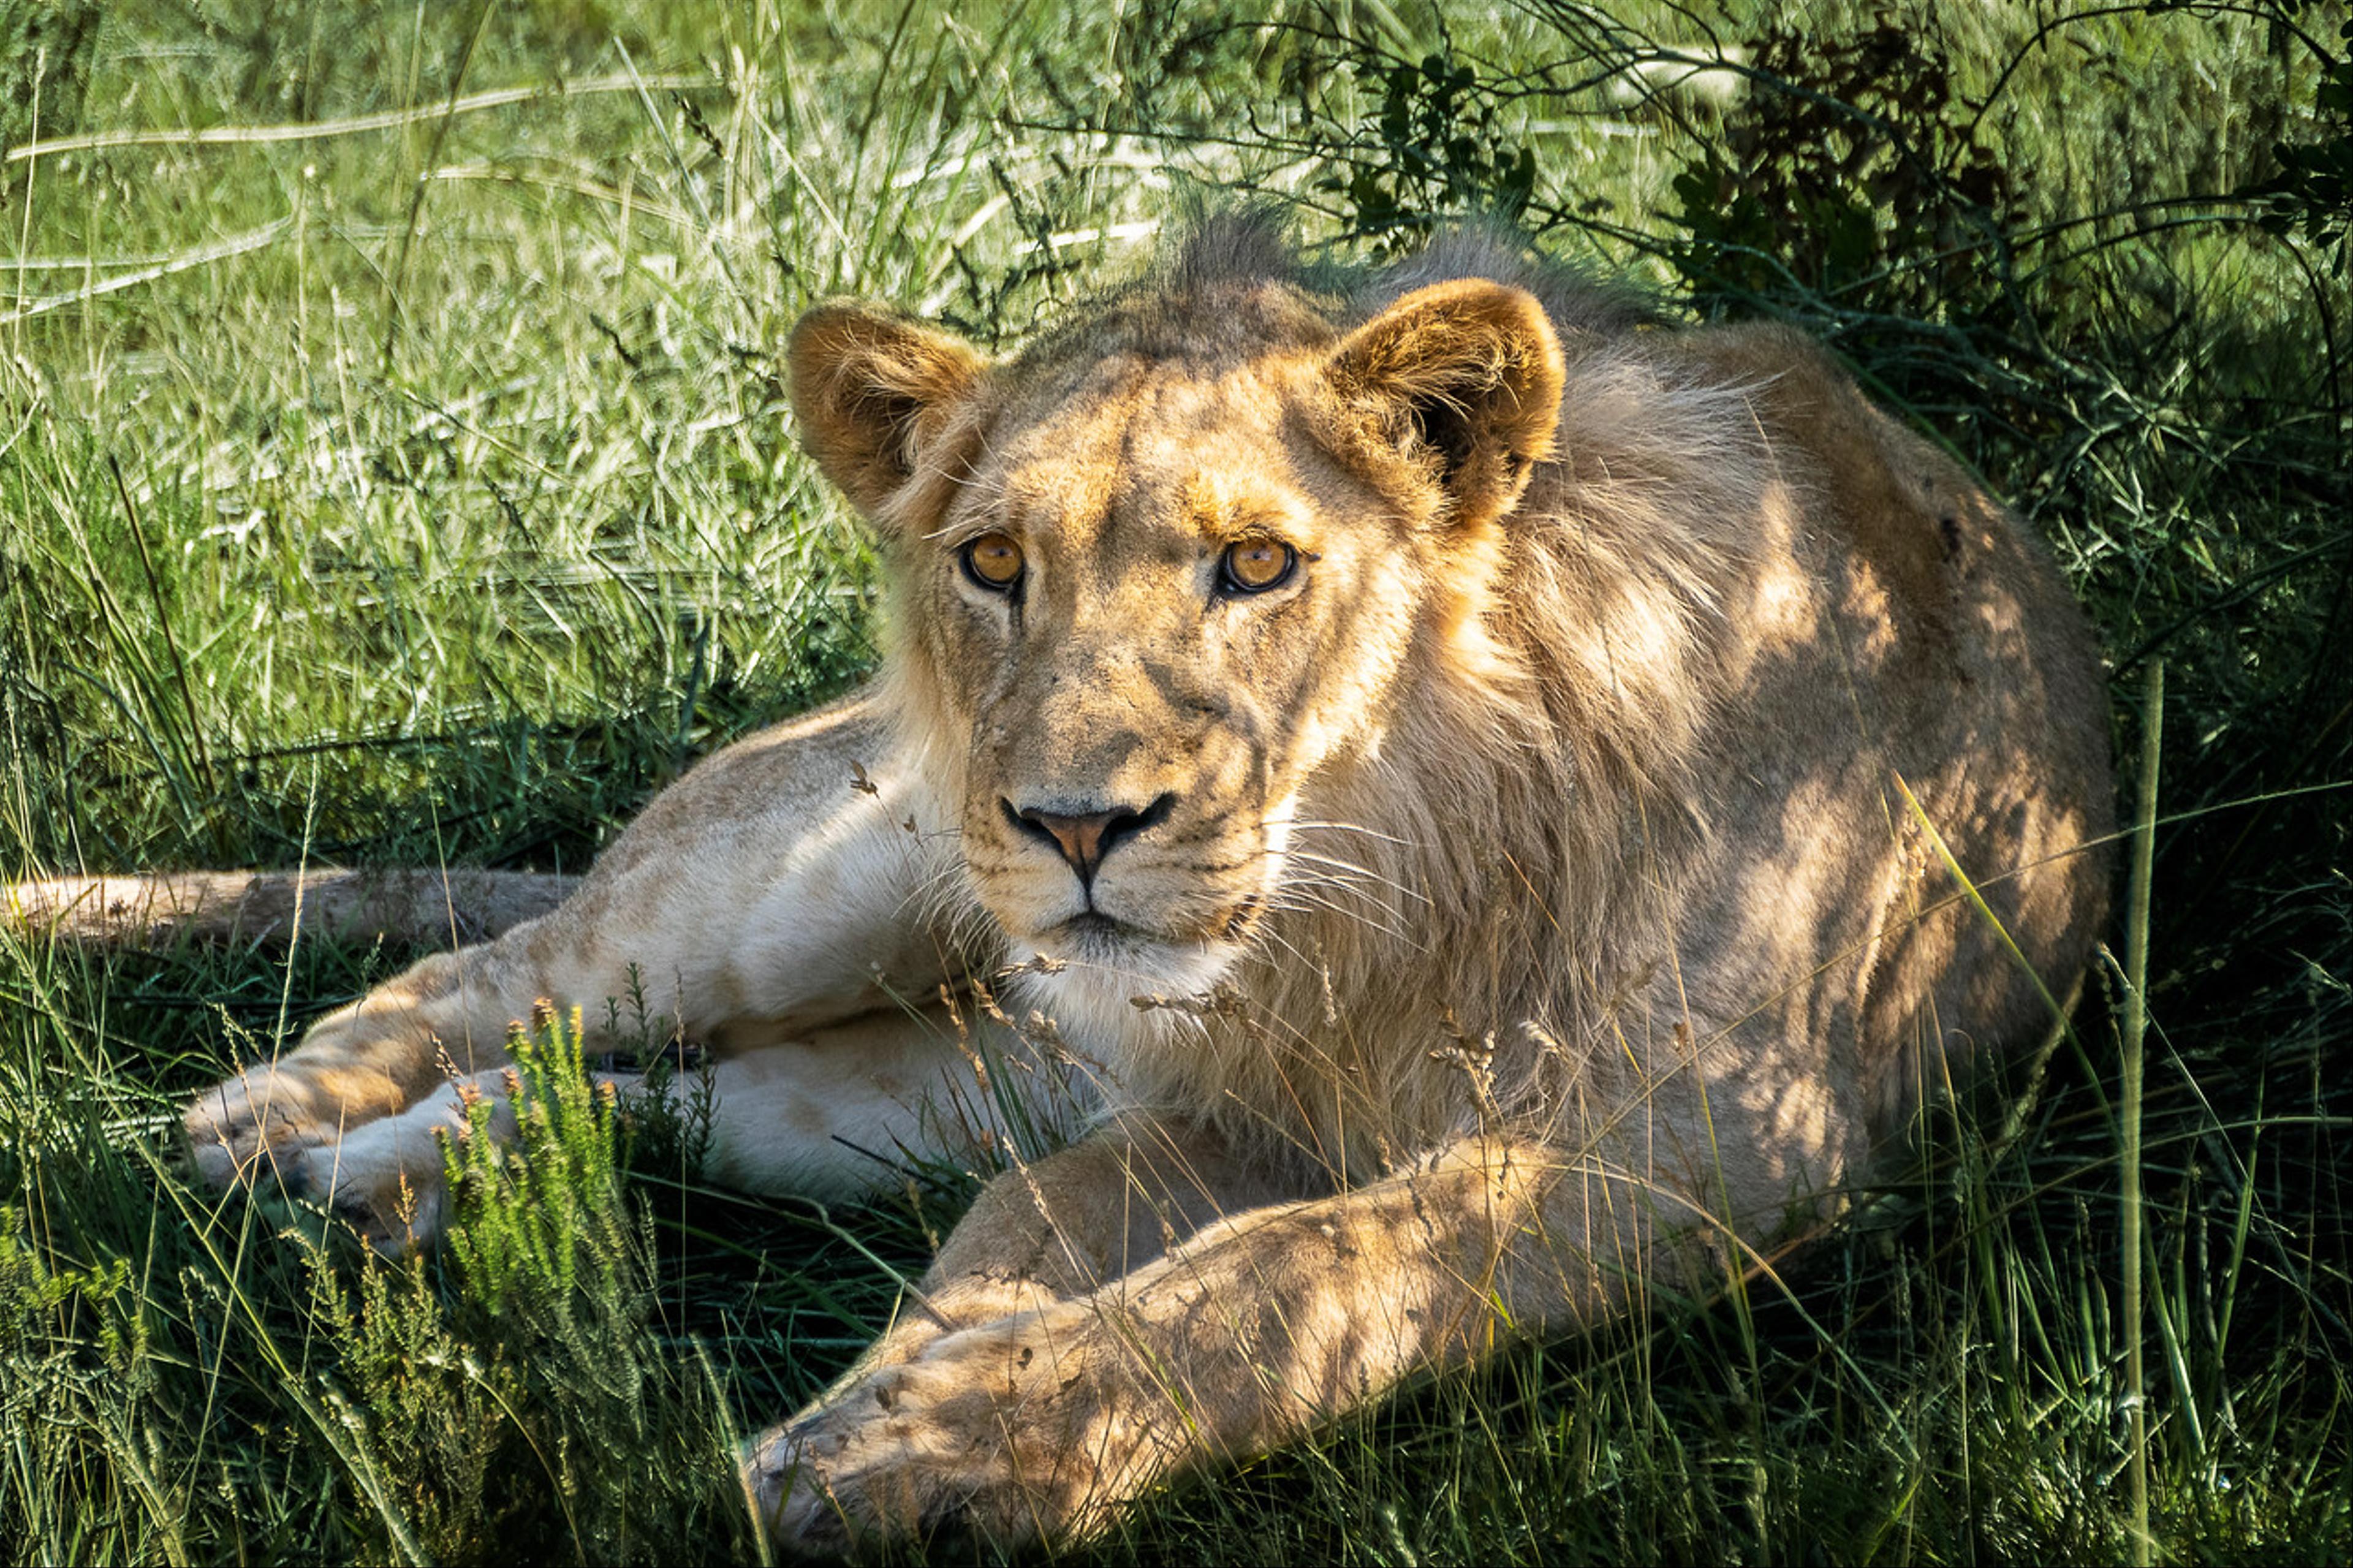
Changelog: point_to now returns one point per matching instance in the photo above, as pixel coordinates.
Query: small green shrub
(517, 1388)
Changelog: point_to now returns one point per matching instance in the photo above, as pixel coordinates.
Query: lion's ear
(1463, 380)
(872, 392)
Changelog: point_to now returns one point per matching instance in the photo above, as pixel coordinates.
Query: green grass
(425, 493)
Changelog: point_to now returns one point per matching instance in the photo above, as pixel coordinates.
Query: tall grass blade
(2136, 1027)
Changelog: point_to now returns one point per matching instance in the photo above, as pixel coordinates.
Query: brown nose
(1085, 837)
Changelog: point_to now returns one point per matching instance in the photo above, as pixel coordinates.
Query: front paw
(389, 1181)
(1005, 1432)
(275, 1131)
(260, 1126)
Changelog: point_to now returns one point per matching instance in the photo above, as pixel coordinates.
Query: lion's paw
(998, 1431)
(260, 1125)
(389, 1181)
(278, 1133)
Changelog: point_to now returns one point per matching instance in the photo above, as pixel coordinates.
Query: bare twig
(2152, 725)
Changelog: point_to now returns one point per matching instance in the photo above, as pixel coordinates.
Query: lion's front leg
(370, 1061)
(760, 906)
(1061, 1227)
(1257, 1329)
(356, 1117)
(823, 1115)
(1017, 1429)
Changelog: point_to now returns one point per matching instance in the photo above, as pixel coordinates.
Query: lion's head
(1156, 574)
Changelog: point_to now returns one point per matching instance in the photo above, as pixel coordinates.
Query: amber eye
(1254, 566)
(993, 560)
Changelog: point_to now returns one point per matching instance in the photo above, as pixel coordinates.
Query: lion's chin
(1095, 969)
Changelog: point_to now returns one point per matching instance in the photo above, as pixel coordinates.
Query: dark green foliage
(2311, 192)
(1434, 149)
(1853, 175)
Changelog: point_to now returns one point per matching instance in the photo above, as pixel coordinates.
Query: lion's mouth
(1103, 964)
(1095, 933)
(1102, 940)
(1099, 941)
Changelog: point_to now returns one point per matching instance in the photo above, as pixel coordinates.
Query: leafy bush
(1855, 176)
(1436, 147)
(2311, 192)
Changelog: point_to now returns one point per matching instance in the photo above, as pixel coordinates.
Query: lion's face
(1153, 615)
(1150, 597)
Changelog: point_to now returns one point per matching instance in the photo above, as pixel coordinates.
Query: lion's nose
(1085, 837)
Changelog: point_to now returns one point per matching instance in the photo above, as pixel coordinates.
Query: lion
(1474, 804)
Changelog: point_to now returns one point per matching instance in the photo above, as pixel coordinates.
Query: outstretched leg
(832, 1115)
(1251, 1330)
(776, 894)
(1062, 1225)
(414, 906)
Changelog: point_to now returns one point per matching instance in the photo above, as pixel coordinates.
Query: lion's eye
(993, 560)
(1254, 566)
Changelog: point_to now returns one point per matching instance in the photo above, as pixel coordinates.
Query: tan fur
(1518, 906)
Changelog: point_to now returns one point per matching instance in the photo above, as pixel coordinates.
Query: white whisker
(1305, 825)
(1387, 881)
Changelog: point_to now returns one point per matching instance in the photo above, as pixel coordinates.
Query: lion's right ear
(872, 393)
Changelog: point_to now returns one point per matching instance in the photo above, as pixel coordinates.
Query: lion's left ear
(874, 394)
(1462, 381)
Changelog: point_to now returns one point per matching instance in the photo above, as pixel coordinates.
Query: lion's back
(1908, 677)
